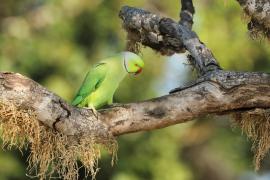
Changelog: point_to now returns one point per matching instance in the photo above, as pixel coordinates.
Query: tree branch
(231, 92)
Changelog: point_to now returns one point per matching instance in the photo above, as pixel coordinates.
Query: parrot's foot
(94, 111)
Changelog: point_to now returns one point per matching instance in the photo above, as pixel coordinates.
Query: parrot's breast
(103, 95)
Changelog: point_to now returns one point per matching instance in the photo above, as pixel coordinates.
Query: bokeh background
(56, 42)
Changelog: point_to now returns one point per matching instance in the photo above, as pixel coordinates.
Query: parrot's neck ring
(125, 65)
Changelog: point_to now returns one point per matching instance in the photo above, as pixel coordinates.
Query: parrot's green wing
(91, 82)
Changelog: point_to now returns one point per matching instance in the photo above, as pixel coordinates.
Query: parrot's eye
(137, 65)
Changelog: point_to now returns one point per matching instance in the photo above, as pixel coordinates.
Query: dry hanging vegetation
(256, 125)
(51, 151)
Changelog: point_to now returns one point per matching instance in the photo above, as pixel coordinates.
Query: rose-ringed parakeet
(103, 79)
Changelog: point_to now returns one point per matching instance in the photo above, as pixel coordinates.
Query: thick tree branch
(230, 92)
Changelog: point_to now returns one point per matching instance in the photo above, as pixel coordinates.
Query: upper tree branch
(167, 36)
(186, 14)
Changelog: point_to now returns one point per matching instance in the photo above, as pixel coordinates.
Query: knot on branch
(256, 124)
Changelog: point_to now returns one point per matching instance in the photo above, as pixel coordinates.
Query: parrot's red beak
(139, 71)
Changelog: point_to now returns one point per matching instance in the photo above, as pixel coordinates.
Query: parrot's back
(100, 84)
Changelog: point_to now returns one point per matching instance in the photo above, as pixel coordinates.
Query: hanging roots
(50, 151)
(256, 124)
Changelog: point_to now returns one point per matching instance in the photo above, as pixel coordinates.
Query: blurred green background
(55, 42)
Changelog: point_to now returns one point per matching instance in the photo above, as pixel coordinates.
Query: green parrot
(103, 79)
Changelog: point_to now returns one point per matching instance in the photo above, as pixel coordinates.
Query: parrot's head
(132, 62)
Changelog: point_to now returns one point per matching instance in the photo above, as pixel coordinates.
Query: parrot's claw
(94, 111)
